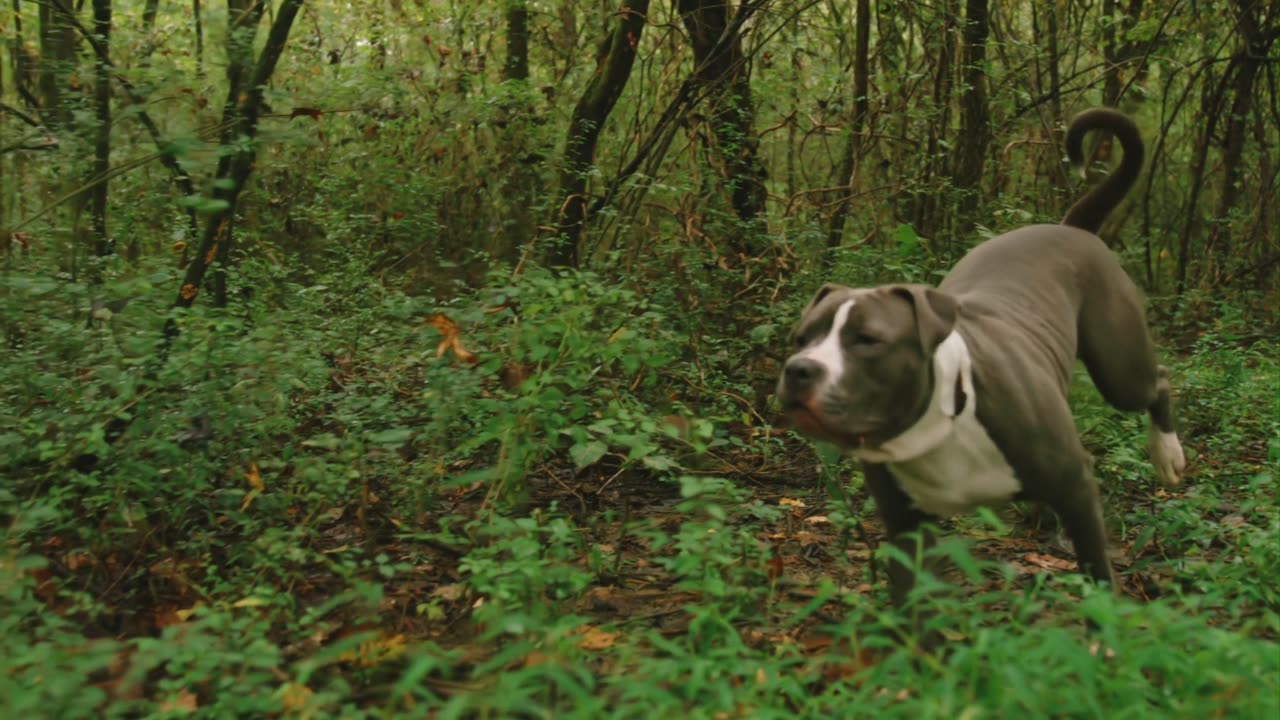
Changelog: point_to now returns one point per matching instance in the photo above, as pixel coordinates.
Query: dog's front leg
(1081, 514)
(907, 530)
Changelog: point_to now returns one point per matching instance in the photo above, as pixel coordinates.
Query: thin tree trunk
(240, 114)
(1256, 45)
(199, 28)
(149, 12)
(929, 199)
(102, 243)
(244, 16)
(180, 177)
(851, 161)
(57, 51)
(517, 65)
(720, 64)
(975, 121)
(514, 112)
(613, 69)
(1117, 50)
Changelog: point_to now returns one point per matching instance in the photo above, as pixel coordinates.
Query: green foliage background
(297, 505)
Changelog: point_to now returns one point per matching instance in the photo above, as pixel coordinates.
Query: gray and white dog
(957, 396)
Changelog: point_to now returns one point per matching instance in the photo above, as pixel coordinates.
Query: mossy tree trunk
(241, 112)
(614, 61)
(721, 67)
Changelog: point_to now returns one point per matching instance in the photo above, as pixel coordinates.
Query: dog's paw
(1167, 456)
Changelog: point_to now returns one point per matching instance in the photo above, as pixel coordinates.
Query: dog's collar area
(953, 399)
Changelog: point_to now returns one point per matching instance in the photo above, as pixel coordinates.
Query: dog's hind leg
(1116, 348)
(1162, 439)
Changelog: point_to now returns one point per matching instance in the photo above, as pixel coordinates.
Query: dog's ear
(823, 291)
(935, 313)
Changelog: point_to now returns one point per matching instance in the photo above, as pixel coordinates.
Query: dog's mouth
(817, 425)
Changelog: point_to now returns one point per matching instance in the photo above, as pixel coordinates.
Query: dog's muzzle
(799, 379)
(798, 393)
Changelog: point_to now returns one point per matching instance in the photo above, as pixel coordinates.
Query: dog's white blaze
(829, 353)
(1166, 455)
(947, 463)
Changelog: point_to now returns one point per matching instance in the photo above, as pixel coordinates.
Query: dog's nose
(802, 374)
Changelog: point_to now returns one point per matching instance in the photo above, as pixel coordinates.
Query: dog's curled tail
(1089, 211)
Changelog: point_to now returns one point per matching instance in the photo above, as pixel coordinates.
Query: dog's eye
(865, 340)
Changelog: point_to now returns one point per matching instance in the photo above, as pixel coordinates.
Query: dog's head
(862, 370)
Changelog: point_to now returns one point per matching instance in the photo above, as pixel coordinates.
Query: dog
(956, 397)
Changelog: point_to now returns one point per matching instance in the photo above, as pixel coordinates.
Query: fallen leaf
(312, 113)
(255, 478)
(790, 502)
(1049, 562)
(593, 638)
(77, 559)
(449, 593)
(183, 702)
(452, 338)
(255, 482)
(775, 567)
(295, 696)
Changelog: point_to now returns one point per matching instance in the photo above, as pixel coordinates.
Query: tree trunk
(243, 16)
(1117, 50)
(851, 161)
(199, 28)
(240, 115)
(1256, 45)
(517, 65)
(57, 51)
(613, 68)
(149, 12)
(180, 177)
(102, 244)
(929, 200)
(721, 67)
(975, 121)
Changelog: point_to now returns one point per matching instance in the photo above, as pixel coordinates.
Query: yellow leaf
(372, 653)
(295, 697)
(255, 478)
(185, 615)
(249, 602)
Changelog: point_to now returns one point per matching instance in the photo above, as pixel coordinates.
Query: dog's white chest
(947, 463)
(961, 473)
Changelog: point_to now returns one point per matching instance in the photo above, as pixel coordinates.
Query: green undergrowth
(536, 500)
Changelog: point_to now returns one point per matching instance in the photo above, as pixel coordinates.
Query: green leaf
(324, 441)
(393, 436)
(587, 453)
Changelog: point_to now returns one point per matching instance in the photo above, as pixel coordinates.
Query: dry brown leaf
(448, 593)
(183, 702)
(295, 697)
(1049, 562)
(452, 338)
(373, 653)
(593, 638)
